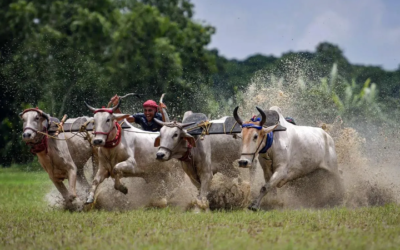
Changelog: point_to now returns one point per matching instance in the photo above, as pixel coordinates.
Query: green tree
(59, 53)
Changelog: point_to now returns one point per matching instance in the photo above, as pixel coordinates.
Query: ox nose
(97, 142)
(160, 156)
(26, 135)
(243, 163)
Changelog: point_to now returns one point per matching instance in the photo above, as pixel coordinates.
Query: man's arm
(114, 101)
(131, 119)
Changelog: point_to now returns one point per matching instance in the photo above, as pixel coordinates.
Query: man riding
(145, 119)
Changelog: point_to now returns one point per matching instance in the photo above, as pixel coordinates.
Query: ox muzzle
(244, 163)
(29, 134)
(98, 142)
(163, 154)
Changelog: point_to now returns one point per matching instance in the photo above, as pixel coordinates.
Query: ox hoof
(89, 201)
(253, 207)
(123, 189)
(160, 203)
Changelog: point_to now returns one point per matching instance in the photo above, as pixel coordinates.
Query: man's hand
(114, 100)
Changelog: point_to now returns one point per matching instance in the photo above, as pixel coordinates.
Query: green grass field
(26, 222)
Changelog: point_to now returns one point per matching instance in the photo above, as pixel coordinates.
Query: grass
(26, 222)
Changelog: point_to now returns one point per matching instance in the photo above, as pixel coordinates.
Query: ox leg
(191, 172)
(68, 197)
(278, 179)
(95, 161)
(125, 169)
(80, 176)
(253, 170)
(205, 180)
(101, 174)
(72, 182)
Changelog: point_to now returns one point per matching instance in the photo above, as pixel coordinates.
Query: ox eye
(108, 120)
(255, 137)
(36, 118)
(175, 135)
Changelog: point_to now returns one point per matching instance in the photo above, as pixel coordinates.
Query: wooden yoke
(163, 110)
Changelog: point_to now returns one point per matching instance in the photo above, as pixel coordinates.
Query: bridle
(185, 157)
(267, 136)
(117, 139)
(256, 152)
(41, 145)
(251, 125)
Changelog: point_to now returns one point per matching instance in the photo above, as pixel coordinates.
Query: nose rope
(26, 128)
(186, 156)
(116, 140)
(37, 147)
(254, 154)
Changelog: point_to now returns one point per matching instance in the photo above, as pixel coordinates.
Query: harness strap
(116, 140)
(254, 154)
(104, 109)
(268, 143)
(188, 154)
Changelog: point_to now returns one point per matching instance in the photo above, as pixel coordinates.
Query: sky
(368, 31)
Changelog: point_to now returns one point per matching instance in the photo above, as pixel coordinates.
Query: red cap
(150, 103)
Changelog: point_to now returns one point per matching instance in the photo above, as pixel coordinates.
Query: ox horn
(47, 116)
(90, 107)
(183, 125)
(159, 122)
(116, 106)
(237, 118)
(263, 116)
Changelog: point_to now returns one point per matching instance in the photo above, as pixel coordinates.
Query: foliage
(59, 53)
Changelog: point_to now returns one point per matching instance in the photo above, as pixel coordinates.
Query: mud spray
(367, 158)
(228, 190)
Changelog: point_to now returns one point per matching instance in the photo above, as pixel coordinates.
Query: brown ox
(54, 155)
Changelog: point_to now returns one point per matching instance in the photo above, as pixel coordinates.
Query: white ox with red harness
(57, 156)
(124, 153)
(291, 153)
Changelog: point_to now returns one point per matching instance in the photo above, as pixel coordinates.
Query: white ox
(123, 153)
(62, 157)
(200, 158)
(294, 153)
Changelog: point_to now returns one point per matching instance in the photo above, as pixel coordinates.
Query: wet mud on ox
(293, 152)
(117, 150)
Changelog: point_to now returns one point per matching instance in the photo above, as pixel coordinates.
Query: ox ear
(270, 128)
(157, 141)
(189, 138)
(120, 117)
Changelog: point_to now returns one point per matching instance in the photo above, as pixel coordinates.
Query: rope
(139, 132)
(233, 127)
(56, 138)
(206, 125)
(81, 130)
